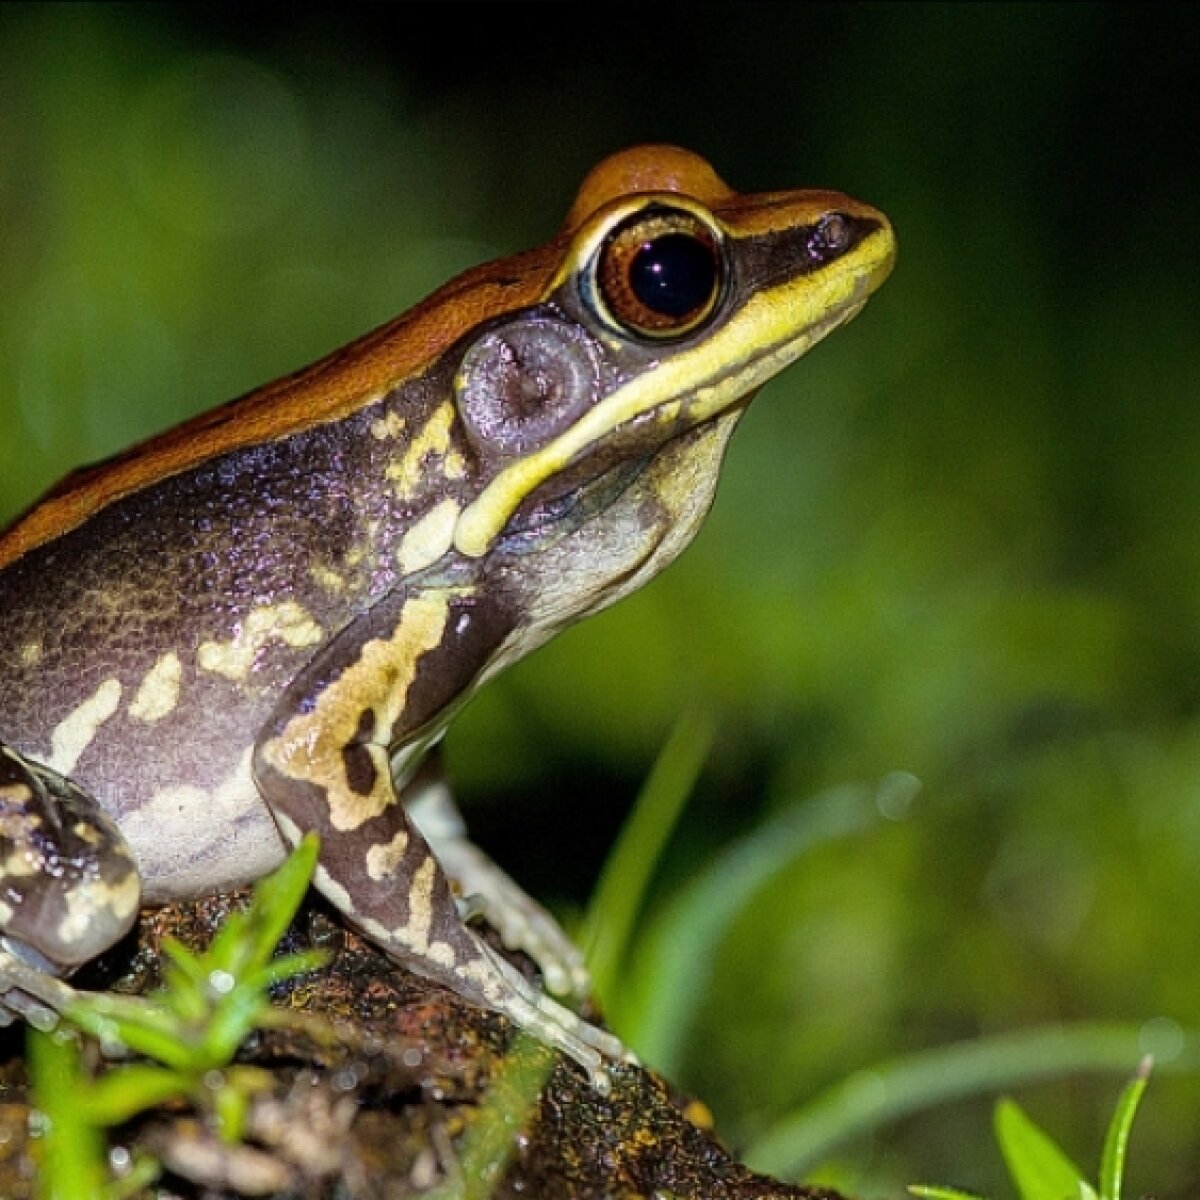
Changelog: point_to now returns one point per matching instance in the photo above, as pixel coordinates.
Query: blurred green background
(959, 543)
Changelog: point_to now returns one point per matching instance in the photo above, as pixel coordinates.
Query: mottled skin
(242, 630)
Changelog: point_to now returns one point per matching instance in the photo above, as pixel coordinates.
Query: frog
(259, 625)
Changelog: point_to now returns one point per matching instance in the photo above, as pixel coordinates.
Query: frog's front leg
(69, 886)
(324, 763)
(486, 890)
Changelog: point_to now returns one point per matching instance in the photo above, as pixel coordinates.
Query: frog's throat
(772, 330)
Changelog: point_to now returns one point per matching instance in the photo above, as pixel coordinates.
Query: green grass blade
(145, 1172)
(189, 967)
(1116, 1143)
(667, 976)
(932, 1191)
(140, 1025)
(285, 967)
(131, 1089)
(491, 1137)
(1040, 1170)
(630, 866)
(70, 1154)
(275, 900)
(871, 1099)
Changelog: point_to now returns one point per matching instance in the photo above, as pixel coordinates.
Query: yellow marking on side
(286, 622)
(310, 747)
(16, 794)
(20, 826)
(18, 865)
(31, 652)
(196, 838)
(429, 538)
(78, 729)
(87, 833)
(404, 942)
(335, 893)
(158, 692)
(382, 860)
(125, 896)
(385, 428)
(327, 578)
(411, 939)
(430, 443)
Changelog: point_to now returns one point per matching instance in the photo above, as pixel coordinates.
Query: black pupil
(674, 275)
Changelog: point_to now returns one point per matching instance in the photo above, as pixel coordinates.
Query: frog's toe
(30, 1010)
(510, 993)
(524, 925)
(28, 989)
(535, 932)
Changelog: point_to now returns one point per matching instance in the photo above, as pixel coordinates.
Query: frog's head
(624, 349)
(671, 301)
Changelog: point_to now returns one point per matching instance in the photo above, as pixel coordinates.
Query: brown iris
(660, 273)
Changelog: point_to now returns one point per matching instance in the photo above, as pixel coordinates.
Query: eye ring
(660, 274)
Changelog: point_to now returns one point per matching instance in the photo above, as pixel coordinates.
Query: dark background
(957, 543)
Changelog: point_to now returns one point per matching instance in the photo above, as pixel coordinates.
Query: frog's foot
(69, 887)
(521, 922)
(496, 984)
(488, 893)
(415, 919)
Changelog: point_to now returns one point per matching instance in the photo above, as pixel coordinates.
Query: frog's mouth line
(560, 516)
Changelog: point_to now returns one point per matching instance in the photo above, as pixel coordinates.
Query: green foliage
(71, 1162)
(659, 1004)
(491, 1139)
(1116, 1143)
(629, 867)
(933, 1191)
(1039, 1168)
(673, 956)
(885, 1093)
(192, 1028)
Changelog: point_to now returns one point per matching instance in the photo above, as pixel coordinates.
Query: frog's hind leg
(324, 764)
(384, 877)
(69, 886)
(411, 912)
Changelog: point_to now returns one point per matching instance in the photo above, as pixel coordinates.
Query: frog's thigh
(69, 886)
(323, 764)
(486, 889)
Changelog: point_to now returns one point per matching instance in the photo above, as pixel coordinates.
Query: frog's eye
(659, 274)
